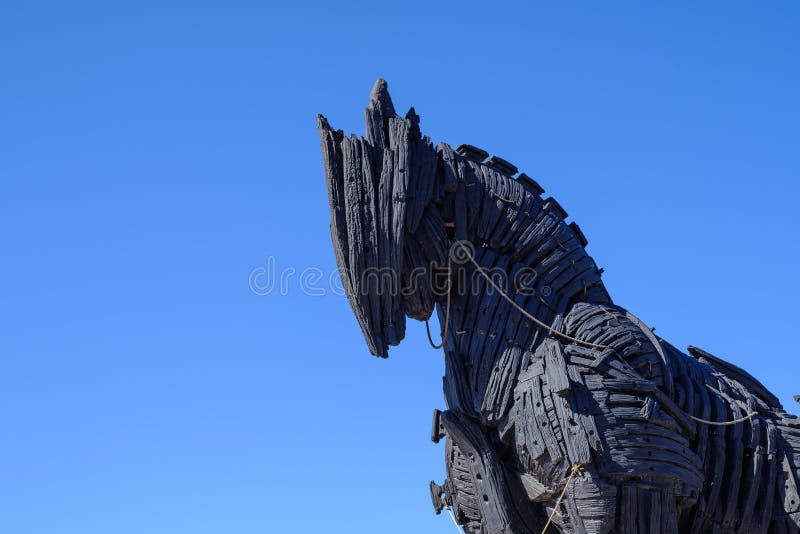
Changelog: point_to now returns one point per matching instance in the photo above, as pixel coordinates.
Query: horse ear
(378, 113)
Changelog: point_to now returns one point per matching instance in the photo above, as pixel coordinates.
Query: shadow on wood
(666, 441)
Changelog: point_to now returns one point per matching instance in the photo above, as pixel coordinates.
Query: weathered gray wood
(425, 166)
(579, 233)
(555, 369)
(472, 152)
(499, 391)
(737, 374)
(449, 166)
(456, 385)
(530, 184)
(552, 205)
(498, 511)
(501, 166)
(416, 287)
(354, 220)
(386, 229)
(595, 388)
(474, 189)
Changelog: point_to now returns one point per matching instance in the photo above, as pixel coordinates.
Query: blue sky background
(152, 155)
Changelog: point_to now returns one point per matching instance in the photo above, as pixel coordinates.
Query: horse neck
(537, 260)
(521, 241)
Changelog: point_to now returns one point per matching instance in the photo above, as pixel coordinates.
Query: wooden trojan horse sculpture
(564, 411)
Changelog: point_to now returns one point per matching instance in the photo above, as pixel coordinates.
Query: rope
(724, 423)
(468, 254)
(572, 473)
(522, 310)
(656, 343)
(446, 311)
(575, 467)
(430, 339)
(452, 515)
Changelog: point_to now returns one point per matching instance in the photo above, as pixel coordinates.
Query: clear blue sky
(153, 155)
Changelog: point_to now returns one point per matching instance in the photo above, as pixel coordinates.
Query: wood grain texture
(526, 404)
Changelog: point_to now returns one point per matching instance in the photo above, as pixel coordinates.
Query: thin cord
(572, 473)
(580, 341)
(452, 515)
(575, 467)
(446, 311)
(724, 423)
(555, 332)
(430, 339)
(522, 310)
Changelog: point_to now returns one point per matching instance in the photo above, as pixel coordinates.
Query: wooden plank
(448, 160)
(524, 218)
(578, 234)
(582, 400)
(399, 138)
(472, 152)
(502, 166)
(523, 398)
(353, 197)
(530, 184)
(474, 188)
(334, 171)
(751, 482)
(555, 368)
(416, 288)
(385, 226)
(542, 422)
(629, 506)
(423, 180)
(737, 374)
(577, 446)
(498, 511)
(552, 205)
(505, 230)
(460, 212)
(535, 490)
(377, 115)
(432, 237)
(787, 490)
(457, 392)
(668, 379)
(500, 390)
(495, 339)
(369, 205)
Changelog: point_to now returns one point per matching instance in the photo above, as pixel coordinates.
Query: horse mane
(397, 202)
(548, 384)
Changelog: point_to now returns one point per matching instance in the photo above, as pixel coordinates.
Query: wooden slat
(525, 404)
